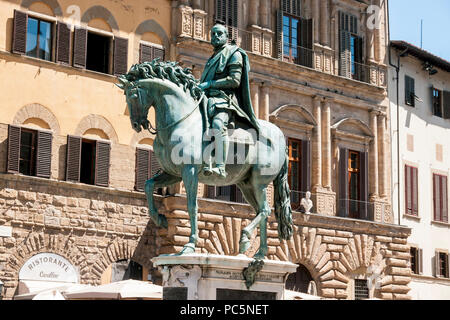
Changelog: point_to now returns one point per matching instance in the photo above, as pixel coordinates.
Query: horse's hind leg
(159, 181)
(256, 196)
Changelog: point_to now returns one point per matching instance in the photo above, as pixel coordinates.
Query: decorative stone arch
(153, 26)
(38, 111)
(117, 249)
(53, 4)
(354, 126)
(42, 241)
(144, 134)
(94, 121)
(353, 133)
(294, 120)
(100, 12)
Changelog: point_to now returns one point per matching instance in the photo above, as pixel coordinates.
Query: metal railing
(298, 55)
(355, 209)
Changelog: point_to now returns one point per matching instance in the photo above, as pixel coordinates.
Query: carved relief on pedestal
(327, 64)
(318, 61)
(373, 76)
(199, 24)
(182, 276)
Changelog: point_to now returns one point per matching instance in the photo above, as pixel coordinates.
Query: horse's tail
(283, 211)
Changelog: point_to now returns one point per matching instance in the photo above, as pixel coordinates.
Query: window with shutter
(411, 190)
(442, 267)
(63, 43)
(343, 182)
(351, 48)
(227, 13)
(32, 36)
(414, 260)
(409, 91)
(29, 151)
(148, 52)
(440, 198)
(437, 102)
(143, 165)
(295, 172)
(98, 53)
(446, 104)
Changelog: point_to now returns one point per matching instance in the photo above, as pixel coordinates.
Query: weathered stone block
(59, 201)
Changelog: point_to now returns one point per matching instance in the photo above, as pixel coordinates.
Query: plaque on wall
(175, 293)
(229, 294)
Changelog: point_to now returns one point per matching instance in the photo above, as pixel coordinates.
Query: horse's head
(137, 101)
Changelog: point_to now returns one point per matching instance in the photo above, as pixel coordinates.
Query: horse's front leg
(190, 180)
(159, 181)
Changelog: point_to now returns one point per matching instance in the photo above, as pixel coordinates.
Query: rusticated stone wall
(93, 227)
(335, 250)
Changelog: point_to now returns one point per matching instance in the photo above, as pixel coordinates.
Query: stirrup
(220, 171)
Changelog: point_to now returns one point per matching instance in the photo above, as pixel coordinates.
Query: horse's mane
(166, 70)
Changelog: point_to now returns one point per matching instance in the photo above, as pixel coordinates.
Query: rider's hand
(204, 85)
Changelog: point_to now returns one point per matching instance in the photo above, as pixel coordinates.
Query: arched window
(124, 269)
(299, 281)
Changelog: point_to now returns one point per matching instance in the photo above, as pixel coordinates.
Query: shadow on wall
(4, 153)
(8, 35)
(147, 248)
(62, 162)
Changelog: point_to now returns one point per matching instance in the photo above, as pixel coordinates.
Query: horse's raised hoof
(244, 243)
(162, 221)
(207, 171)
(187, 249)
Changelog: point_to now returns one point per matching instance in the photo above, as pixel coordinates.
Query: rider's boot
(220, 161)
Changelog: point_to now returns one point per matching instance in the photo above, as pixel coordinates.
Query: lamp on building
(428, 67)
(1, 290)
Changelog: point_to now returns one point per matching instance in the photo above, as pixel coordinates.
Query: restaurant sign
(48, 267)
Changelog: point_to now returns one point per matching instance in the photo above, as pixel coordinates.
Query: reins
(156, 130)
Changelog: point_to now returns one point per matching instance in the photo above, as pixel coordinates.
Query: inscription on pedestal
(174, 293)
(229, 294)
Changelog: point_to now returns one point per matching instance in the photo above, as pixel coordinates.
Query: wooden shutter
(120, 56)
(73, 158)
(306, 166)
(280, 34)
(155, 167)
(436, 264)
(221, 9)
(143, 166)
(446, 104)
(415, 188)
(345, 54)
(359, 68)
(436, 197)
(63, 43)
(145, 53)
(364, 184)
(44, 154)
(409, 91)
(80, 47)
(102, 160)
(158, 53)
(408, 190)
(305, 33)
(343, 182)
(420, 262)
(444, 199)
(14, 133)
(19, 44)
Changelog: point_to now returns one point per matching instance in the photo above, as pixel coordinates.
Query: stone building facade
(329, 100)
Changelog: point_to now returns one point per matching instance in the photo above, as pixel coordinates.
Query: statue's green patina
(183, 147)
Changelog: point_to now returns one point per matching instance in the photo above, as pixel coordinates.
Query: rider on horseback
(226, 84)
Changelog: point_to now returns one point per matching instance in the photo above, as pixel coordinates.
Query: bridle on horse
(156, 130)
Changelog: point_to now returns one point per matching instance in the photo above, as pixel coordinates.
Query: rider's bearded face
(219, 36)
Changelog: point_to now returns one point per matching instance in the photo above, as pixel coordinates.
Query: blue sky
(405, 16)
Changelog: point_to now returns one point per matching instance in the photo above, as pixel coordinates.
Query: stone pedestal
(219, 277)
